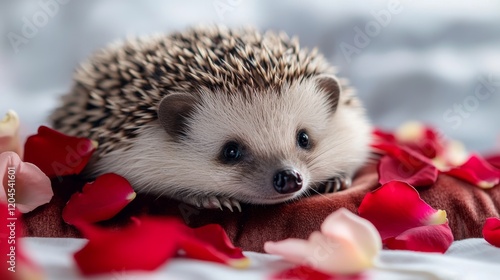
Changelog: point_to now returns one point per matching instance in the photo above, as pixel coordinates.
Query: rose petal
(358, 234)
(423, 139)
(347, 244)
(433, 238)
(494, 160)
(415, 136)
(292, 249)
(140, 246)
(397, 207)
(303, 272)
(9, 133)
(99, 200)
(491, 231)
(407, 157)
(390, 169)
(57, 154)
(23, 183)
(477, 171)
(211, 243)
(454, 154)
(22, 267)
(149, 242)
(383, 136)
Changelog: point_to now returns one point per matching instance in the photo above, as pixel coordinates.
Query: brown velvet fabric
(467, 207)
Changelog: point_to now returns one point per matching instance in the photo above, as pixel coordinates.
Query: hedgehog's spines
(117, 91)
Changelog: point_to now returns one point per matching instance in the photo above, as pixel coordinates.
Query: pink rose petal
(23, 183)
(347, 244)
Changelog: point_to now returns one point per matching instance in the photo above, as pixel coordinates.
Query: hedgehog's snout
(287, 181)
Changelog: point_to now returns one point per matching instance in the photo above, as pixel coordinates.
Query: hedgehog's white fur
(258, 88)
(268, 123)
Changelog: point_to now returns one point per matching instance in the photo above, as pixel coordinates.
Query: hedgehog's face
(262, 147)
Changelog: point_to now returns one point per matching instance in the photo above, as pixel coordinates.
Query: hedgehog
(215, 117)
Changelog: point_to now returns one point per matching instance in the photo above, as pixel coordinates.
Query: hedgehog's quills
(215, 117)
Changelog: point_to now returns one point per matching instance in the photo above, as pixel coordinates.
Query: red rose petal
(57, 154)
(494, 160)
(390, 169)
(14, 263)
(427, 142)
(491, 231)
(477, 171)
(433, 239)
(409, 158)
(148, 243)
(383, 136)
(430, 145)
(308, 273)
(140, 246)
(99, 200)
(397, 207)
(211, 243)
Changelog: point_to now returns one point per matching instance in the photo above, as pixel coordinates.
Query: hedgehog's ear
(331, 87)
(173, 111)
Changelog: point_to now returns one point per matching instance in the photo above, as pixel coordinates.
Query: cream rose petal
(32, 187)
(347, 244)
(9, 133)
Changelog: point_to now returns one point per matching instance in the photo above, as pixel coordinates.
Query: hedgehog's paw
(214, 202)
(335, 184)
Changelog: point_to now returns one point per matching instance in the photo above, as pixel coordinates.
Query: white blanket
(467, 259)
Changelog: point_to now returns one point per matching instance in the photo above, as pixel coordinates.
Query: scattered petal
(359, 234)
(409, 158)
(390, 169)
(9, 133)
(421, 138)
(303, 272)
(433, 239)
(491, 231)
(19, 267)
(99, 200)
(57, 154)
(397, 207)
(454, 154)
(477, 171)
(211, 243)
(23, 183)
(494, 160)
(148, 242)
(347, 244)
(383, 136)
(144, 245)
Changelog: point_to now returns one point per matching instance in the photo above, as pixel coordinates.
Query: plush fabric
(467, 207)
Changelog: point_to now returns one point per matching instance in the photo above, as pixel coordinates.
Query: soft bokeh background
(434, 61)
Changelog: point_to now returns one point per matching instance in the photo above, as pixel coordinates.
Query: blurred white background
(434, 61)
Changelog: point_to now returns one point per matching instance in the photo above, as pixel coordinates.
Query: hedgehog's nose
(287, 181)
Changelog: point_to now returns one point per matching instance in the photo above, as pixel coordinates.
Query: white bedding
(467, 259)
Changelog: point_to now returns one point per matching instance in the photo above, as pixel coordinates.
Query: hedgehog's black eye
(231, 152)
(303, 140)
